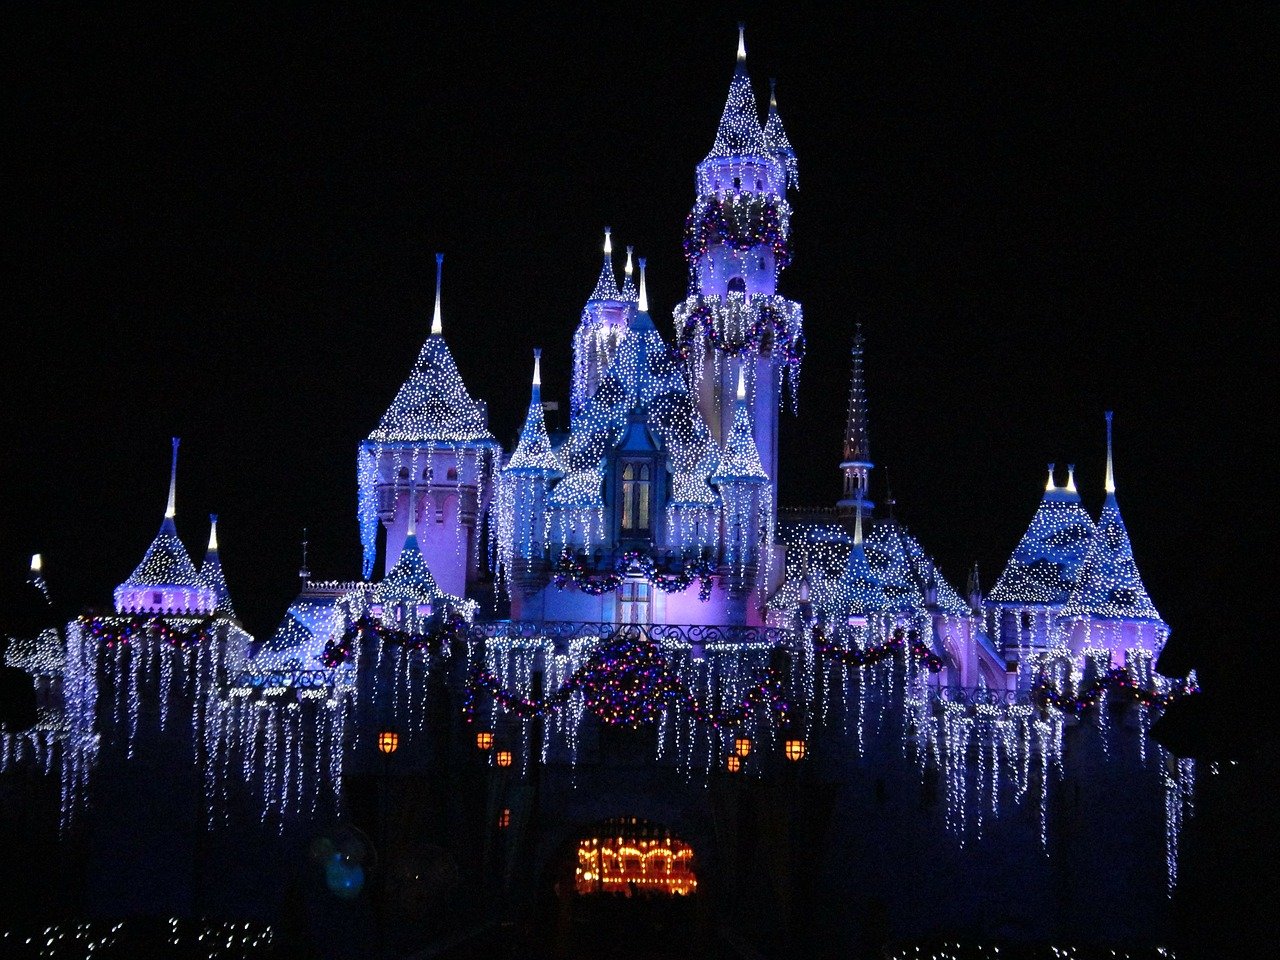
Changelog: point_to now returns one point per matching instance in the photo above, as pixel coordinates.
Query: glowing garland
(110, 632)
(701, 319)
(901, 642)
(340, 650)
(1118, 680)
(632, 564)
(628, 682)
(741, 222)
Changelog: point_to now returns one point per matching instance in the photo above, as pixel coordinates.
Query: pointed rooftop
(533, 453)
(211, 571)
(1047, 560)
(433, 405)
(860, 592)
(628, 284)
(776, 141)
(606, 287)
(1110, 585)
(410, 580)
(739, 133)
(166, 581)
(740, 458)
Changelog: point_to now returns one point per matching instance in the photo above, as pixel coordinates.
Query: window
(633, 602)
(737, 285)
(637, 493)
(452, 474)
(737, 183)
(1026, 620)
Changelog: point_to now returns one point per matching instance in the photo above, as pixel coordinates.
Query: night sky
(223, 230)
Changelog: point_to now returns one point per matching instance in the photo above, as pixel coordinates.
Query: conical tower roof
(166, 566)
(433, 405)
(410, 580)
(1110, 586)
(533, 453)
(211, 571)
(860, 591)
(887, 554)
(606, 287)
(740, 458)
(1047, 560)
(776, 141)
(739, 133)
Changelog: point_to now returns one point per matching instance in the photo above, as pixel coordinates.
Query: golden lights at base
(733, 763)
(635, 865)
(388, 741)
(484, 740)
(795, 749)
(742, 747)
(503, 758)
(504, 818)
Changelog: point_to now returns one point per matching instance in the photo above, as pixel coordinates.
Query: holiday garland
(868, 656)
(1118, 680)
(769, 319)
(633, 563)
(111, 633)
(628, 682)
(339, 650)
(738, 221)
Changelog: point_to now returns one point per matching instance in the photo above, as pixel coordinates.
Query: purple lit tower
(737, 243)
(432, 449)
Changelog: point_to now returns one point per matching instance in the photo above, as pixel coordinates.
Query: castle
(677, 652)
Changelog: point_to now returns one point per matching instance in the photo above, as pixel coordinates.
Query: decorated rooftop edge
(1046, 562)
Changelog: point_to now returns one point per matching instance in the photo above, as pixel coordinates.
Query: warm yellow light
(742, 747)
(484, 740)
(795, 749)
(504, 818)
(503, 758)
(388, 741)
(733, 763)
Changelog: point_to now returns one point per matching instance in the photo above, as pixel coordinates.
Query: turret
(602, 325)
(744, 492)
(1109, 602)
(522, 528)
(211, 571)
(776, 141)
(856, 464)
(436, 438)
(166, 581)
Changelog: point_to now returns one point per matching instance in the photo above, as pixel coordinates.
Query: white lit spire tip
(537, 366)
(742, 41)
(1111, 471)
(643, 305)
(629, 269)
(1050, 485)
(213, 532)
(170, 510)
(437, 327)
(742, 383)
(608, 240)
(37, 563)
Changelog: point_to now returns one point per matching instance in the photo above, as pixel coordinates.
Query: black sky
(223, 229)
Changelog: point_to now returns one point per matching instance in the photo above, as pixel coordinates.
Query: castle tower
(857, 449)
(602, 325)
(736, 244)
(1109, 604)
(523, 519)
(744, 495)
(166, 581)
(432, 451)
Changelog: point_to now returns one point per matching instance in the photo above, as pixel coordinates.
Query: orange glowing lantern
(503, 758)
(742, 747)
(795, 750)
(504, 818)
(388, 741)
(733, 763)
(484, 740)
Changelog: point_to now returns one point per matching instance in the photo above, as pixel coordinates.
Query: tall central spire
(857, 463)
(436, 328)
(739, 133)
(1111, 470)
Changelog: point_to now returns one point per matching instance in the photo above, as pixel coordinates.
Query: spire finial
(742, 42)
(1050, 486)
(857, 527)
(608, 242)
(1111, 470)
(1071, 478)
(628, 269)
(537, 376)
(643, 306)
(37, 563)
(742, 382)
(213, 533)
(773, 94)
(304, 572)
(171, 510)
(436, 328)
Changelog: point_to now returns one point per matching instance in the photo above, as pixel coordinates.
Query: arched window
(737, 285)
(637, 493)
(1026, 620)
(452, 474)
(404, 473)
